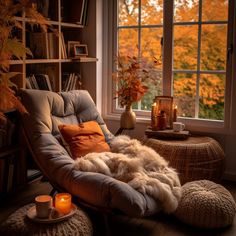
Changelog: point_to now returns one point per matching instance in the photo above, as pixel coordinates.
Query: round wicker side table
(18, 224)
(194, 158)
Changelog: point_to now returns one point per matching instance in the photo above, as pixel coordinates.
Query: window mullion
(167, 47)
(198, 59)
(139, 38)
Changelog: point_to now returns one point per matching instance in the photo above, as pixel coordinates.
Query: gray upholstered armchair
(46, 110)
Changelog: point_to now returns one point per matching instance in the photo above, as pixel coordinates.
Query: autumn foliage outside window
(199, 47)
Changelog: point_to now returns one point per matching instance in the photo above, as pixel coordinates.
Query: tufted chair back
(46, 110)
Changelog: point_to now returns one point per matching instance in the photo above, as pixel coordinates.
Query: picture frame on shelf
(165, 103)
(80, 50)
(70, 48)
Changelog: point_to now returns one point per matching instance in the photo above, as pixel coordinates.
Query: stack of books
(39, 81)
(71, 81)
(45, 45)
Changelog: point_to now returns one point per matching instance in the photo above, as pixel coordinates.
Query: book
(64, 81)
(75, 78)
(43, 81)
(48, 82)
(85, 13)
(51, 71)
(53, 46)
(33, 82)
(76, 12)
(28, 83)
(63, 47)
(69, 82)
(39, 45)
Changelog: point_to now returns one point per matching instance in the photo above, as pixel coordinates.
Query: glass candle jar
(63, 203)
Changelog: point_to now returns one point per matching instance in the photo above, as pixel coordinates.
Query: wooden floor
(159, 225)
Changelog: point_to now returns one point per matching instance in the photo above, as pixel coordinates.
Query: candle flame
(176, 106)
(154, 104)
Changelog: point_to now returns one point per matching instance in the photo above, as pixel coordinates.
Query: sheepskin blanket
(139, 166)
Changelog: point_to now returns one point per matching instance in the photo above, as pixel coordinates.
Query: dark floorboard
(159, 225)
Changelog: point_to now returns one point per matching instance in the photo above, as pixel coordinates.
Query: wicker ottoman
(194, 158)
(18, 224)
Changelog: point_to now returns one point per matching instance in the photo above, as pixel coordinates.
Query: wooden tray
(167, 134)
(54, 217)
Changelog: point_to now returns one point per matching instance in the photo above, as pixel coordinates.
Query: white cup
(178, 126)
(43, 205)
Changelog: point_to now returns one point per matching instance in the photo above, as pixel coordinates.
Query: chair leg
(106, 223)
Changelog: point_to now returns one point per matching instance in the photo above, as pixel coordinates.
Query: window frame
(110, 111)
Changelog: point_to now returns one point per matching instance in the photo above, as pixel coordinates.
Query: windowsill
(193, 125)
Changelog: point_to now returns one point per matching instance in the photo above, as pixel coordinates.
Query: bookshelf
(56, 62)
(13, 172)
(68, 20)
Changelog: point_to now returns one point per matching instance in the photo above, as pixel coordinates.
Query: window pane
(213, 10)
(152, 12)
(151, 44)
(185, 93)
(212, 89)
(127, 12)
(128, 42)
(213, 47)
(185, 47)
(155, 89)
(185, 11)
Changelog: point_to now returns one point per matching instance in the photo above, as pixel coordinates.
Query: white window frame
(109, 110)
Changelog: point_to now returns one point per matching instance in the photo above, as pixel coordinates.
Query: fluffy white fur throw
(139, 166)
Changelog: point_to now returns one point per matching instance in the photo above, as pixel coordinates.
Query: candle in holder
(175, 114)
(63, 202)
(153, 115)
(43, 204)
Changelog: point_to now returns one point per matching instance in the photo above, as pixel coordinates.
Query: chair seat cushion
(83, 138)
(206, 204)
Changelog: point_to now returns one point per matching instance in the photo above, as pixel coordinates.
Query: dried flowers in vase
(130, 78)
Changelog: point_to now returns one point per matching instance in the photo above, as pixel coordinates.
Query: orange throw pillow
(83, 138)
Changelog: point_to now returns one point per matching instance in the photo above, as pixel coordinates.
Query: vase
(128, 118)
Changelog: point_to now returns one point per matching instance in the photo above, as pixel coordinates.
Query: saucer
(55, 215)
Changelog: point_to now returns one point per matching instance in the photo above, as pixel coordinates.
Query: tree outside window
(198, 46)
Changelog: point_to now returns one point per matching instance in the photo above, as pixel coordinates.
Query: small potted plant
(10, 47)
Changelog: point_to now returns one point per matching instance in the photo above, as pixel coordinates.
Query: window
(193, 46)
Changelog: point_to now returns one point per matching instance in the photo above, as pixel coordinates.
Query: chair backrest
(46, 110)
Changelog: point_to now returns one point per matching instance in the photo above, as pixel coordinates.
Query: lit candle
(153, 114)
(175, 114)
(63, 202)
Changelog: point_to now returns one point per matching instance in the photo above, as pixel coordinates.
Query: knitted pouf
(18, 224)
(206, 204)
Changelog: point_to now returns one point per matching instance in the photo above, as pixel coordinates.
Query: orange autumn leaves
(130, 77)
(13, 47)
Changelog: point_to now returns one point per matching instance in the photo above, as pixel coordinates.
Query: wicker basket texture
(194, 158)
